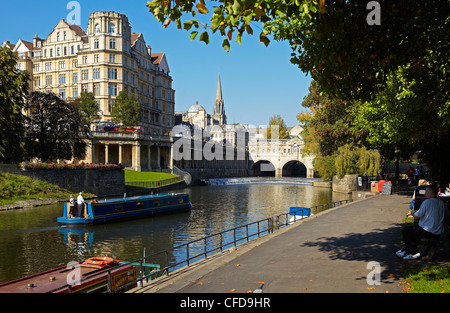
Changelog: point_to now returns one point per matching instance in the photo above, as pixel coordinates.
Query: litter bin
(373, 186)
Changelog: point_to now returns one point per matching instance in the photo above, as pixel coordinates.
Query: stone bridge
(280, 157)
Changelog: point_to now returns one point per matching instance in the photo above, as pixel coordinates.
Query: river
(31, 240)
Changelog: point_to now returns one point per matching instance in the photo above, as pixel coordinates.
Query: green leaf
(204, 37)
(239, 37)
(263, 38)
(226, 45)
(237, 7)
(193, 35)
(188, 25)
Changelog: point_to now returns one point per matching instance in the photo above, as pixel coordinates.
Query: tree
(348, 56)
(88, 108)
(126, 109)
(330, 39)
(54, 129)
(13, 92)
(276, 123)
(330, 121)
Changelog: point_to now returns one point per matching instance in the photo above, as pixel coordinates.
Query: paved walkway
(326, 253)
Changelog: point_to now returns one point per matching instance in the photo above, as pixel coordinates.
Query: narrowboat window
(181, 200)
(156, 203)
(118, 208)
(139, 205)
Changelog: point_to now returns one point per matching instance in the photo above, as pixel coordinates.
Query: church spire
(219, 117)
(219, 91)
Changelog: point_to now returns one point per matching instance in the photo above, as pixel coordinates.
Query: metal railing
(204, 247)
(154, 184)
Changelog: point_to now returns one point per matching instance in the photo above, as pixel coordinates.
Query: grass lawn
(426, 278)
(20, 188)
(133, 176)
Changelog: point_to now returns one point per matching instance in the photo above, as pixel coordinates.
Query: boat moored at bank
(113, 210)
(93, 275)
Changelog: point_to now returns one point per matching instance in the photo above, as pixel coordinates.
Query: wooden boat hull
(94, 279)
(114, 210)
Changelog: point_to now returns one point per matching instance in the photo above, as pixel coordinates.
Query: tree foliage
(88, 108)
(330, 122)
(13, 92)
(54, 130)
(330, 39)
(396, 72)
(126, 109)
(277, 124)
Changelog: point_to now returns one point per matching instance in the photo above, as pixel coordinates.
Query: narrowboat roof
(137, 198)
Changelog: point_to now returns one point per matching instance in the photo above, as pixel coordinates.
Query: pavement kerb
(183, 277)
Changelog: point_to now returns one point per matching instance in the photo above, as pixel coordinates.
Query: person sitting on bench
(431, 216)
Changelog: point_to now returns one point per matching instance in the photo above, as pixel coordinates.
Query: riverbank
(18, 192)
(335, 251)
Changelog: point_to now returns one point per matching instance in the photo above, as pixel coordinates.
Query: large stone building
(105, 59)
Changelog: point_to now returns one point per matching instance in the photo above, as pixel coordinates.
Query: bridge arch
(263, 168)
(294, 169)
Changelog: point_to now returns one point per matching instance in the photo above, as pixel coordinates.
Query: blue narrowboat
(113, 210)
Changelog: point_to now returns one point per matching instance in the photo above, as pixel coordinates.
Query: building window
(58, 51)
(57, 36)
(96, 58)
(84, 74)
(48, 66)
(72, 50)
(110, 105)
(62, 64)
(37, 81)
(96, 73)
(75, 92)
(75, 77)
(45, 53)
(37, 67)
(74, 63)
(112, 73)
(112, 58)
(65, 50)
(112, 44)
(62, 93)
(84, 88)
(51, 52)
(65, 35)
(48, 80)
(96, 44)
(97, 28)
(85, 59)
(112, 90)
(112, 29)
(96, 90)
(62, 79)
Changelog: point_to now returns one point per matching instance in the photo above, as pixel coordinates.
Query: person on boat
(80, 201)
(71, 206)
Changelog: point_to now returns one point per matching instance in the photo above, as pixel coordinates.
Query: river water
(31, 240)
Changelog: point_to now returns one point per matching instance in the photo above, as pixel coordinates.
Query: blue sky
(257, 82)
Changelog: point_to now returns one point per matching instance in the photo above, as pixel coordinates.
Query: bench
(433, 244)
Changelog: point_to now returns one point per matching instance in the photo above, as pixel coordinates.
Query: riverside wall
(101, 182)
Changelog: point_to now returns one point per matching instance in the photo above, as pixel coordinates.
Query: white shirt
(432, 213)
(80, 199)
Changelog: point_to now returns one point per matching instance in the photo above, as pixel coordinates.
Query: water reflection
(31, 241)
